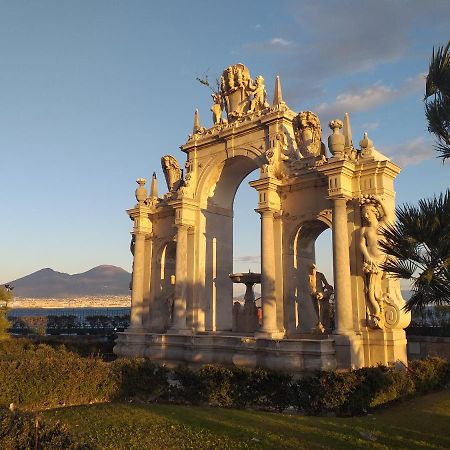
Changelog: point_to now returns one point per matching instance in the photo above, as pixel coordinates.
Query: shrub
(37, 376)
(139, 378)
(40, 376)
(186, 386)
(216, 385)
(430, 374)
(324, 392)
(18, 431)
(270, 389)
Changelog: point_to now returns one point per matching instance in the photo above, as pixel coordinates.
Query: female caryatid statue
(373, 215)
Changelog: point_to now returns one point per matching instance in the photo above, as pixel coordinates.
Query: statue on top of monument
(172, 172)
(217, 108)
(307, 131)
(373, 215)
(258, 101)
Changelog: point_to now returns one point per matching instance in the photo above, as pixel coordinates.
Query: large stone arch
(216, 191)
(223, 174)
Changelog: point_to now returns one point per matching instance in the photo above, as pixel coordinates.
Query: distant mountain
(47, 283)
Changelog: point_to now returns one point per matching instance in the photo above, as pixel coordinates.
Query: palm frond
(418, 246)
(438, 78)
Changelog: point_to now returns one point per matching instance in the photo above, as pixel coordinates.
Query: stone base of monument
(290, 355)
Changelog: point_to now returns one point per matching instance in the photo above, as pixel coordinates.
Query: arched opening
(164, 286)
(219, 237)
(246, 233)
(312, 246)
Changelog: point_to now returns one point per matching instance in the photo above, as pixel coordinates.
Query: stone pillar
(341, 268)
(137, 293)
(269, 327)
(179, 304)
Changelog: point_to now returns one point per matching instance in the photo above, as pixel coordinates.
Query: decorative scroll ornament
(373, 216)
(172, 172)
(307, 131)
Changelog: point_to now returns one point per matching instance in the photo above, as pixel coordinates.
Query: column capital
(266, 211)
(269, 183)
(340, 197)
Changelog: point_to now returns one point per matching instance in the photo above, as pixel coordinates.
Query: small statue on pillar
(320, 291)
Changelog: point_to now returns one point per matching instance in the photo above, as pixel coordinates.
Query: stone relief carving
(172, 171)
(307, 131)
(373, 216)
(240, 93)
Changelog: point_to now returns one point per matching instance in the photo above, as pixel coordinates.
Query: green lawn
(421, 423)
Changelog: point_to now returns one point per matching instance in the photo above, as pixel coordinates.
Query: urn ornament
(141, 192)
(336, 141)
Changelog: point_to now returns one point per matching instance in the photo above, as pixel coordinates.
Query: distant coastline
(107, 301)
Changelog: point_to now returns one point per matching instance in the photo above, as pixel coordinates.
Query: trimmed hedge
(39, 376)
(20, 431)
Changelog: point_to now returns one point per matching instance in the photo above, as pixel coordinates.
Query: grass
(420, 423)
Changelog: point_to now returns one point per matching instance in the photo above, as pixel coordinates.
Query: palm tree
(437, 110)
(418, 249)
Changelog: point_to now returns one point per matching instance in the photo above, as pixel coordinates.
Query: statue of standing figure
(320, 291)
(373, 216)
(216, 108)
(258, 101)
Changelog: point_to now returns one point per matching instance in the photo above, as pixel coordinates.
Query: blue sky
(93, 93)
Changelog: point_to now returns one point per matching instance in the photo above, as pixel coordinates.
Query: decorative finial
(154, 187)
(141, 192)
(347, 132)
(336, 140)
(366, 145)
(277, 96)
(197, 127)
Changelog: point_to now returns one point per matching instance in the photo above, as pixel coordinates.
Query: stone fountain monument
(182, 242)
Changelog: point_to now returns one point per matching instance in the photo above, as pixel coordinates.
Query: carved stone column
(341, 268)
(137, 293)
(269, 326)
(179, 304)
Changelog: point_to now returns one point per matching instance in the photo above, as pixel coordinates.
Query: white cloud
(363, 99)
(280, 42)
(257, 26)
(369, 126)
(276, 44)
(356, 100)
(248, 259)
(333, 38)
(411, 153)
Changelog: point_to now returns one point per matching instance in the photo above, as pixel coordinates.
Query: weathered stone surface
(182, 302)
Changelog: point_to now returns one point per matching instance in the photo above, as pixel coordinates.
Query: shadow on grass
(417, 424)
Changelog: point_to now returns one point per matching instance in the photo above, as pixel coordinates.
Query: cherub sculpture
(172, 172)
